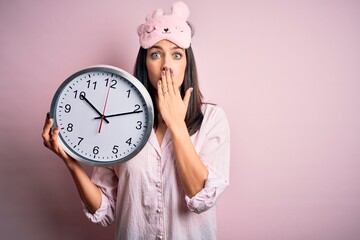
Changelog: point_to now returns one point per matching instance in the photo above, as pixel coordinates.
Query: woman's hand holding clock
(89, 192)
(50, 139)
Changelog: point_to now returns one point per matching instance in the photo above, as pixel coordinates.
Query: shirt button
(158, 184)
(158, 210)
(160, 237)
(158, 158)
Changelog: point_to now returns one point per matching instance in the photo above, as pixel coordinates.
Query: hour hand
(97, 111)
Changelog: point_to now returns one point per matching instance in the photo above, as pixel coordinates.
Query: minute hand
(120, 114)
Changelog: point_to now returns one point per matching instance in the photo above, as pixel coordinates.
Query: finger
(47, 128)
(54, 137)
(163, 82)
(187, 97)
(55, 134)
(159, 89)
(56, 146)
(169, 80)
(46, 120)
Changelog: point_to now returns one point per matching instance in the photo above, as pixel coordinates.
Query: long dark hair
(194, 115)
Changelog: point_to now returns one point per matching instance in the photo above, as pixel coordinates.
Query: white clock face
(105, 115)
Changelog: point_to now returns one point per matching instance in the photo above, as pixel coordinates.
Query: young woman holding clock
(169, 189)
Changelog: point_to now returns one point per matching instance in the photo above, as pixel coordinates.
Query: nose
(166, 64)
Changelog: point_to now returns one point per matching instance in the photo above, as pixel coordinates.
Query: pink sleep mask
(172, 27)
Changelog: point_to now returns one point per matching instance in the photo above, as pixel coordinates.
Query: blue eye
(177, 55)
(155, 55)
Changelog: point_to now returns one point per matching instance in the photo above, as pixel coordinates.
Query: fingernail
(166, 69)
(191, 90)
(171, 71)
(163, 73)
(48, 117)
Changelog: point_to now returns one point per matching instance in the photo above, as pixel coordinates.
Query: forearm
(90, 194)
(191, 170)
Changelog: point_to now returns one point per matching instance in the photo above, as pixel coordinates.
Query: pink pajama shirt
(145, 198)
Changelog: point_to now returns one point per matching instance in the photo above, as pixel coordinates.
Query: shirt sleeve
(215, 153)
(106, 180)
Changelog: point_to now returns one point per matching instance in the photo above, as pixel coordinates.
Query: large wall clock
(105, 115)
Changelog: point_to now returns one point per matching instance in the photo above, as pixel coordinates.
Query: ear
(192, 28)
(139, 29)
(181, 10)
(157, 13)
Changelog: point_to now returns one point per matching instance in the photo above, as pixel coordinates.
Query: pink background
(286, 72)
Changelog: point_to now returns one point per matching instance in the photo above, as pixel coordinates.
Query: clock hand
(120, 114)
(102, 115)
(93, 107)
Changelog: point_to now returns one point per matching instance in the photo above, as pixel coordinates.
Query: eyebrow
(158, 47)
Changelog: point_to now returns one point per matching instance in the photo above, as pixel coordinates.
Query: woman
(167, 191)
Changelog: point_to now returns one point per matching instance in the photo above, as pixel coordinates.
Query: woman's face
(166, 54)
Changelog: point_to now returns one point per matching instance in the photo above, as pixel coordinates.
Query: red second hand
(103, 113)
